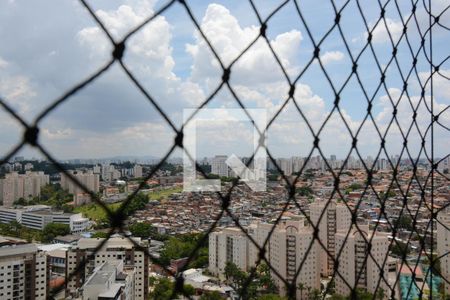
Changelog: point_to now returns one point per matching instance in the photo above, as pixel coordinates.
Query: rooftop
(102, 274)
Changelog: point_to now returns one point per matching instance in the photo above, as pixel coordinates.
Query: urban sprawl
(323, 229)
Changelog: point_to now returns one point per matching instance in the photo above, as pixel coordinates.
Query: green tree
(163, 290)
(355, 186)
(400, 249)
(301, 287)
(404, 222)
(52, 230)
(142, 230)
(138, 202)
(215, 295)
(21, 201)
(314, 294)
(271, 297)
(265, 279)
(331, 287)
(380, 294)
(236, 277)
(337, 297)
(272, 177)
(188, 290)
(304, 191)
(15, 228)
(100, 234)
(182, 246)
(361, 294)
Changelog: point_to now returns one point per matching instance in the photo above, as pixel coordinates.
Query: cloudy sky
(48, 46)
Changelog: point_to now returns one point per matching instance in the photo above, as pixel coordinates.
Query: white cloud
(3, 63)
(256, 78)
(151, 43)
(441, 86)
(15, 89)
(331, 56)
(229, 39)
(380, 33)
(57, 134)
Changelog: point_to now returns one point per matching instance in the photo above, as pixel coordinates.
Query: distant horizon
(133, 158)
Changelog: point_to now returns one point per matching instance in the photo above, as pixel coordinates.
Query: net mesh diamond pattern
(413, 35)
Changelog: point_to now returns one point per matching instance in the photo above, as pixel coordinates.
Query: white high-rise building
(137, 171)
(227, 245)
(90, 180)
(113, 250)
(23, 273)
(443, 244)
(355, 260)
(285, 251)
(297, 163)
(27, 186)
(218, 166)
(110, 280)
(109, 173)
(336, 216)
(285, 165)
(97, 169)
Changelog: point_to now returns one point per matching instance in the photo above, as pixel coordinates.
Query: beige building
(110, 280)
(116, 248)
(23, 273)
(443, 244)
(336, 216)
(137, 171)
(27, 186)
(227, 245)
(219, 167)
(285, 251)
(89, 179)
(352, 261)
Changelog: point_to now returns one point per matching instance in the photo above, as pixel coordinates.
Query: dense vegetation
(50, 231)
(146, 231)
(360, 294)
(96, 213)
(304, 191)
(182, 246)
(261, 287)
(52, 195)
(162, 289)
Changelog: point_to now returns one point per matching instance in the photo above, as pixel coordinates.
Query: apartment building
(109, 173)
(38, 216)
(287, 249)
(285, 164)
(137, 171)
(23, 273)
(333, 217)
(88, 178)
(443, 244)
(110, 281)
(227, 245)
(27, 186)
(358, 271)
(218, 165)
(116, 248)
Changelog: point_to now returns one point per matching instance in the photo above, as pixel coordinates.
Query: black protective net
(414, 36)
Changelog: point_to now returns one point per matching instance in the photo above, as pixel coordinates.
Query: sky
(49, 46)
